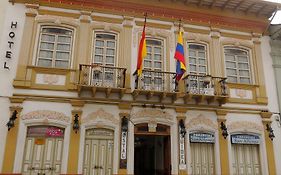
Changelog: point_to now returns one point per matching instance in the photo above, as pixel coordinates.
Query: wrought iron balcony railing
(101, 76)
(156, 81)
(205, 85)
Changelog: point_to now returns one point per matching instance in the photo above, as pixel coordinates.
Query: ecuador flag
(179, 56)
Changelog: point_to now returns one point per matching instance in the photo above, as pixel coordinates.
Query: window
(237, 65)
(154, 62)
(105, 49)
(197, 59)
(55, 47)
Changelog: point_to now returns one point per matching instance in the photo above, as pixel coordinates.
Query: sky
(277, 17)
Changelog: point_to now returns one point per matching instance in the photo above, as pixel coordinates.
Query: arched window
(154, 58)
(55, 47)
(237, 65)
(105, 49)
(197, 59)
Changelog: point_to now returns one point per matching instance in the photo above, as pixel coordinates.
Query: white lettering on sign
(123, 145)
(182, 151)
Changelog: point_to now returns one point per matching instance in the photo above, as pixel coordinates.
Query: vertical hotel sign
(123, 147)
(10, 44)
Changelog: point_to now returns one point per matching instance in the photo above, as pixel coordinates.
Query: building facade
(73, 104)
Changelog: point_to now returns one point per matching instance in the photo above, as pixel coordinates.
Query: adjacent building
(71, 101)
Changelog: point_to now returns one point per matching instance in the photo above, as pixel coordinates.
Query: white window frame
(236, 63)
(197, 58)
(70, 60)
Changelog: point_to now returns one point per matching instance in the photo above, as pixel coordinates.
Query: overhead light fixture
(182, 128)
(11, 122)
(270, 131)
(76, 123)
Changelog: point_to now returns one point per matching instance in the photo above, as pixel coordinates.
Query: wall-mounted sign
(245, 139)
(10, 43)
(45, 131)
(123, 145)
(201, 138)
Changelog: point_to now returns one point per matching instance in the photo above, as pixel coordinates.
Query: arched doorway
(43, 150)
(98, 152)
(152, 153)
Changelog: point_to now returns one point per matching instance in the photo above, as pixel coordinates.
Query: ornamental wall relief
(46, 115)
(201, 122)
(244, 126)
(100, 115)
(152, 115)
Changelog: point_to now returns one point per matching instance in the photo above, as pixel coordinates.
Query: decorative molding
(245, 126)
(57, 20)
(201, 120)
(152, 114)
(98, 115)
(46, 114)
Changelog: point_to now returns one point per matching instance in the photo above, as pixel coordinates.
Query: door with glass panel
(98, 152)
(105, 50)
(43, 151)
(198, 69)
(246, 159)
(153, 78)
(55, 47)
(202, 159)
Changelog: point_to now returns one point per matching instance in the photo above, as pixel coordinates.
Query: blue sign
(201, 138)
(245, 139)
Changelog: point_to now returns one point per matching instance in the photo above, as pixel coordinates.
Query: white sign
(182, 150)
(124, 146)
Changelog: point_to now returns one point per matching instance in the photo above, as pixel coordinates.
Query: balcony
(205, 87)
(98, 78)
(155, 83)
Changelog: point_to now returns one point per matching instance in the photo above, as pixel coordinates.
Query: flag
(142, 51)
(179, 56)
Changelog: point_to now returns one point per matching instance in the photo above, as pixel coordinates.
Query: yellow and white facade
(72, 63)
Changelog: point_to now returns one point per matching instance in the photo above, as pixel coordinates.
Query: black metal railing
(156, 81)
(205, 85)
(101, 76)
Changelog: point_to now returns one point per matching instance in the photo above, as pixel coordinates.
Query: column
(223, 144)
(11, 141)
(216, 59)
(268, 143)
(74, 142)
(28, 38)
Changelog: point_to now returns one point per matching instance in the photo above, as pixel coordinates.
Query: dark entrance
(152, 153)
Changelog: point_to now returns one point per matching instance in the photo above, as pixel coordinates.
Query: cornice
(161, 12)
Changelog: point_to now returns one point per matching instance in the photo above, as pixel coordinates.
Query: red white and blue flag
(179, 56)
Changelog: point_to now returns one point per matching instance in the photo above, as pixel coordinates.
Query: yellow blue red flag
(179, 56)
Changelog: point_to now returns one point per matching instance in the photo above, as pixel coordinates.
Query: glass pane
(99, 51)
(231, 72)
(99, 43)
(193, 68)
(62, 64)
(110, 51)
(50, 38)
(202, 61)
(108, 76)
(232, 79)
(45, 63)
(147, 80)
(230, 64)
(148, 56)
(148, 49)
(243, 59)
(98, 59)
(243, 65)
(157, 57)
(46, 54)
(57, 31)
(196, 47)
(158, 65)
(65, 47)
(201, 54)
(192, 53)
(230, 57)
(62, 55)
(111, 44)
(157, 50)
(192, 60)
(49, 46)
(64, 39)
(153, 42)
(245, 80)
(105, 36)
(157, 80)
(147, 64)
(202, 69)
(235, 52)
(109, 59)
(244, 73)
